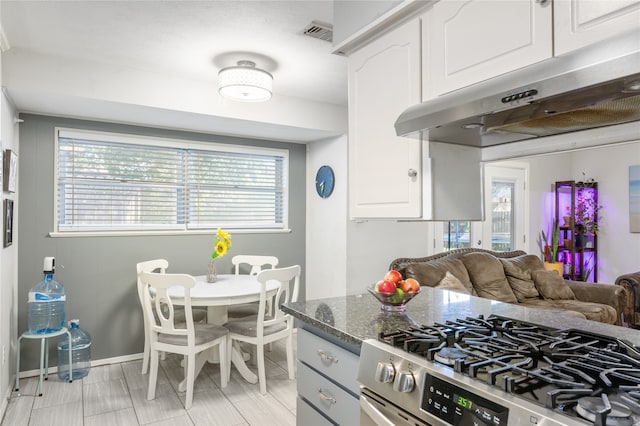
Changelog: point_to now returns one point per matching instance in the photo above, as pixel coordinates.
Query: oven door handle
(373, 413)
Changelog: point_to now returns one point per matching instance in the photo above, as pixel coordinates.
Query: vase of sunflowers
(222, 245)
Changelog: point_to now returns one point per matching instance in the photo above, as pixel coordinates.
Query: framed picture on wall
(8, 222)
(10, 170)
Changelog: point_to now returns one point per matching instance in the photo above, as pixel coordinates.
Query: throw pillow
(430, 273)
(519, 278)
(488, 278)
(551, 285)
(450, 282)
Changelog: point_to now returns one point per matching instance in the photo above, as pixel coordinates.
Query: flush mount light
(245, 82)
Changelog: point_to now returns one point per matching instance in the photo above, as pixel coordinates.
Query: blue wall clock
(325, 180)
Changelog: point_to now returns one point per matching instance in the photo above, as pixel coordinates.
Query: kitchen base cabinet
(309, 416)
(327, 382)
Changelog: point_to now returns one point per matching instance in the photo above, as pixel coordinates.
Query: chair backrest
(159, 306)
(255, 261)
(289, 279)
(160, 265)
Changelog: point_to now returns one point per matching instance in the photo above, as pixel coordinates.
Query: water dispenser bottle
(80, 352)
(46, 302)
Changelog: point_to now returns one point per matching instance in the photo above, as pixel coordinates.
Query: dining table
(227, 290)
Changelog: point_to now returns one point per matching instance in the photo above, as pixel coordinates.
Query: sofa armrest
(607, 294)
(631, 284)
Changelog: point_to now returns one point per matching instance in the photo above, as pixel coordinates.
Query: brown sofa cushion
(589, 310)
(517, 270)
(552, 286)
(450, 282)
(432, 272)
(488, 278)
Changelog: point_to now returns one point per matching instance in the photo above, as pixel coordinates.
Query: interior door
(506, 207)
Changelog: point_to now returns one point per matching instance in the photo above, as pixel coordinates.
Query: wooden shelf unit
(577, 251)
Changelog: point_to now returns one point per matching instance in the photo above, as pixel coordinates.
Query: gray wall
(98, 273)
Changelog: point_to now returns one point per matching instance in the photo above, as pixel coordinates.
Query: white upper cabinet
(473, 40)
(384, 169)
(579, 23)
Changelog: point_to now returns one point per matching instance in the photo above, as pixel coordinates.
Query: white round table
(228, 290)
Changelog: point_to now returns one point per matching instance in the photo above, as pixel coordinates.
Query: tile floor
(116, 395)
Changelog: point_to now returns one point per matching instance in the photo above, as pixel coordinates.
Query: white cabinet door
(468, 41)
(578, 23)
(384, 79)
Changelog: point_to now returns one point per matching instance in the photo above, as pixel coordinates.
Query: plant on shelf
(550, 251)
(586, 212)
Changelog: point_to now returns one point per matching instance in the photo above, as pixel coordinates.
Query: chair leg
(290, 363)
(145, 355)
(191, 373)
(224, 364)
(153, 375)
(262, 379)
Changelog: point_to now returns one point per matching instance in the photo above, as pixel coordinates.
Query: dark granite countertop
(352, 319)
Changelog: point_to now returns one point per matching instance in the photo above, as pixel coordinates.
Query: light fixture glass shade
(245, 82)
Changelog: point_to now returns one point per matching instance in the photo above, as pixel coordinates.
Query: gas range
(499, 371)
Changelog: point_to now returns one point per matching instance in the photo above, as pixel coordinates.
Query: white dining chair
(255, 264)
(261, 329)
(187, 338)
(160, 265)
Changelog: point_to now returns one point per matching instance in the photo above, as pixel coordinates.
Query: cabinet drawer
(327, 397)
(306, 415)
(329, 359)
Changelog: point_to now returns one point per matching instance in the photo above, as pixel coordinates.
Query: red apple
(394, 276)
(410, 285)
(386, 287)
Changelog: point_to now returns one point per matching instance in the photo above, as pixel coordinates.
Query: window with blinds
(110, 182)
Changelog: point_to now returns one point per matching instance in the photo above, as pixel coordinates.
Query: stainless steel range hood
(592, 87)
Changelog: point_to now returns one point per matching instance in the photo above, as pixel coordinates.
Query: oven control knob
(404, 382)
(385, 372)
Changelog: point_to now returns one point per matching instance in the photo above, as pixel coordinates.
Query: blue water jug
(46, 302)
(80, 352)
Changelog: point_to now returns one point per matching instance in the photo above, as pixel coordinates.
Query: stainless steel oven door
(375, 411)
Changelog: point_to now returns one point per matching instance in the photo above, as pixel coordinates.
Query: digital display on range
(460, 407)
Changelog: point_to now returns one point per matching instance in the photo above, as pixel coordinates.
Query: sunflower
(222, 244)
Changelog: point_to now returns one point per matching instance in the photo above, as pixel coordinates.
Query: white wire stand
(44, 355)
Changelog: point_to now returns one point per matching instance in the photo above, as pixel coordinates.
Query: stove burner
(574, 372)
(591, 407)
(448, 356)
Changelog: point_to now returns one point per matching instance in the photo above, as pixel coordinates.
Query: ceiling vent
(319, 30)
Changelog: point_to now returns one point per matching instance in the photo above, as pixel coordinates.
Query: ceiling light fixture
(245, 82)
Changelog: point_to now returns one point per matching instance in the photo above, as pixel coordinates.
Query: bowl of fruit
(393, 292)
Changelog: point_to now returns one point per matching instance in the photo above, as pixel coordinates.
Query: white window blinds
(111, 182)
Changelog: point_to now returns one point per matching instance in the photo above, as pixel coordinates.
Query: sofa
(631, 313)
(515, 277)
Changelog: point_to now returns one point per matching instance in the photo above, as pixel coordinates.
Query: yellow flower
(224, 236)
(223, 242)
(221, 248)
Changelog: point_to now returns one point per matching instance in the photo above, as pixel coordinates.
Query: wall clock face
(325, 181)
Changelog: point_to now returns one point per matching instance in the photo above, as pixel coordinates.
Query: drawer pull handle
(326, 397)
(326, 357)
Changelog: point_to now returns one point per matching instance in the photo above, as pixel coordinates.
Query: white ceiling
(187, 39)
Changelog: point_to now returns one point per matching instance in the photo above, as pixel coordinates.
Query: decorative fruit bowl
(392, 302)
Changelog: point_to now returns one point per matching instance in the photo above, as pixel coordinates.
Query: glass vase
(211, 272)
